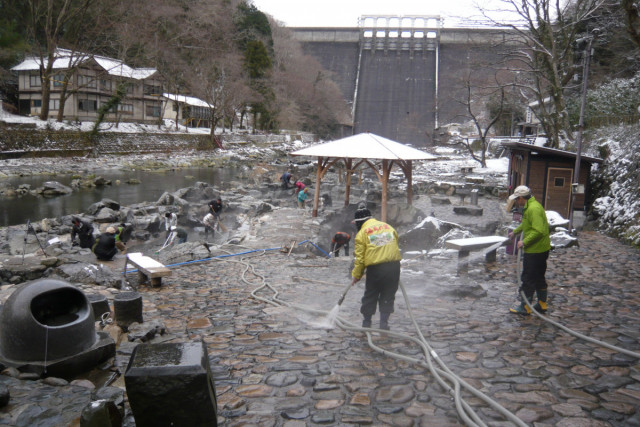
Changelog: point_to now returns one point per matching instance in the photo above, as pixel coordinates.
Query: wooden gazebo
(379, 153)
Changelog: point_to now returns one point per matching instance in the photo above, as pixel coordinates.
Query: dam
(404, 77)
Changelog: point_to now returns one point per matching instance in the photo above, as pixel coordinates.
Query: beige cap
(111, 230)
(520, 191)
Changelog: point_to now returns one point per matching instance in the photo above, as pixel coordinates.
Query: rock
(425, 235)
(113, 394)
(133, 181)
(468, 210)
(111, 204)
(149, 223)
(403, 214)
(83, 383)
(4, 395)
(263, 208)
(145, 331)
(89, 273)
(166, 199)
(101, 413)
(107, 215)
(563, 240)
(100, 181)
(440, 200)
(54, 188)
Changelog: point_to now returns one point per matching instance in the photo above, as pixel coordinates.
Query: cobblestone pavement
(275, 365)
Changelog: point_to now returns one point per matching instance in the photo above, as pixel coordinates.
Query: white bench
(148, 268)
(465, 246)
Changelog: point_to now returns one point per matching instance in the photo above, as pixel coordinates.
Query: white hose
(442, 374)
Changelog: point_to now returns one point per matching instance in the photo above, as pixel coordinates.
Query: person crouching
(105, 247)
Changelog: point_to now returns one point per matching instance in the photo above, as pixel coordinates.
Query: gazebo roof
(364, 146)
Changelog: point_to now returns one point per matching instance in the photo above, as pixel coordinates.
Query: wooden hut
(548, 172)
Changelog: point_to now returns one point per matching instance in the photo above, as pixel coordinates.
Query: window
(175, 107)
(36, 103)
(152, 90)
(125, 108)
(558, 182)
(54, 104)
(111, 110)
(87, 105)
(106, 85)
(58, 80)
(87, 82)
(153, 110)
(34, 80)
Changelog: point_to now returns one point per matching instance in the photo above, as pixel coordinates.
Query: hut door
(559, 190)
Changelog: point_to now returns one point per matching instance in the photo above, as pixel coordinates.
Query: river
(17, 210)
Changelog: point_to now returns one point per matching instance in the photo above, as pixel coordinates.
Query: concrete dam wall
(403, 89)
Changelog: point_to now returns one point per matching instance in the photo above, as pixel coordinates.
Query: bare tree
(477, 96)
(308, 97)
(632, 12)
(48, 23)
(547, 35)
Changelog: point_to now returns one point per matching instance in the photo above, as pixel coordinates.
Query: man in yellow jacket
(377, 251)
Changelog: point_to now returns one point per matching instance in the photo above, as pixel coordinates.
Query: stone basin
(47, 327)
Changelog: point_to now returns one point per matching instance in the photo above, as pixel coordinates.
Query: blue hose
(230, 255)
(210, 258)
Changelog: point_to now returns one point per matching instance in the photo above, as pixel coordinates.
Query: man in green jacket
(536, 245)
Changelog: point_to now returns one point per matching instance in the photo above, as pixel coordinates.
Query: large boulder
(403, 214)
(83, 272)
(426, 234)
(150, 223)
(107, 215)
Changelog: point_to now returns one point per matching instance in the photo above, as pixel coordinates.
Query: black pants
(534, 268)
(337, 246)
(380, 288)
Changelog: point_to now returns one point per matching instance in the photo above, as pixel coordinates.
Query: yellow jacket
(375, 243)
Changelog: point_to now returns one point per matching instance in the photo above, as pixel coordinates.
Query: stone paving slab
(274, 366)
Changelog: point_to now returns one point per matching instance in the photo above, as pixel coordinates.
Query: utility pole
(583, 103)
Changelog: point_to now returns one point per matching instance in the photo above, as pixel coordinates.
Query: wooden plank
(149, 266)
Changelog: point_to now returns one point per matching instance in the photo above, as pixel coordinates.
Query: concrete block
(171, 384)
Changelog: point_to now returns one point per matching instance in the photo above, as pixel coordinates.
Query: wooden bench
(148, 268)
(465, 246)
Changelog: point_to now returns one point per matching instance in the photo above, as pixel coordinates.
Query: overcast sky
(345, 13)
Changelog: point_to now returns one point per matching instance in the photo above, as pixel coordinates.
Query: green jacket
(535, 227)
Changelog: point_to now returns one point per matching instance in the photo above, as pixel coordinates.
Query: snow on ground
(618, 207)
(167, 127)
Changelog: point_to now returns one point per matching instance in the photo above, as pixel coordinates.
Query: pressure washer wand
(344, 294)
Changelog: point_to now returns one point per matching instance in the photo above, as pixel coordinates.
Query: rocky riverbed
(276, 363)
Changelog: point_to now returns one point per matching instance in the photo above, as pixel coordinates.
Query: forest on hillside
(225, 52)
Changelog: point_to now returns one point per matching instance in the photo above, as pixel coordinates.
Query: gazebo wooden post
(348, 163)
(408, 173)
(316, 196)
(386, 171)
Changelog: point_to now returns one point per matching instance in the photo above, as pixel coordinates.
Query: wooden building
(548, 172)
(88, 82)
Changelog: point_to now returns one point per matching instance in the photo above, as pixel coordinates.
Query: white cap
(520, 191)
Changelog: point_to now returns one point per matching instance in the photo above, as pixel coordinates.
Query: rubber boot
(366, 323)
(384, 321)
(541, 305)
(522, 309)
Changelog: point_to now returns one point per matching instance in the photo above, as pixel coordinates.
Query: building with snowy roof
(187, 110)
(83, 82)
